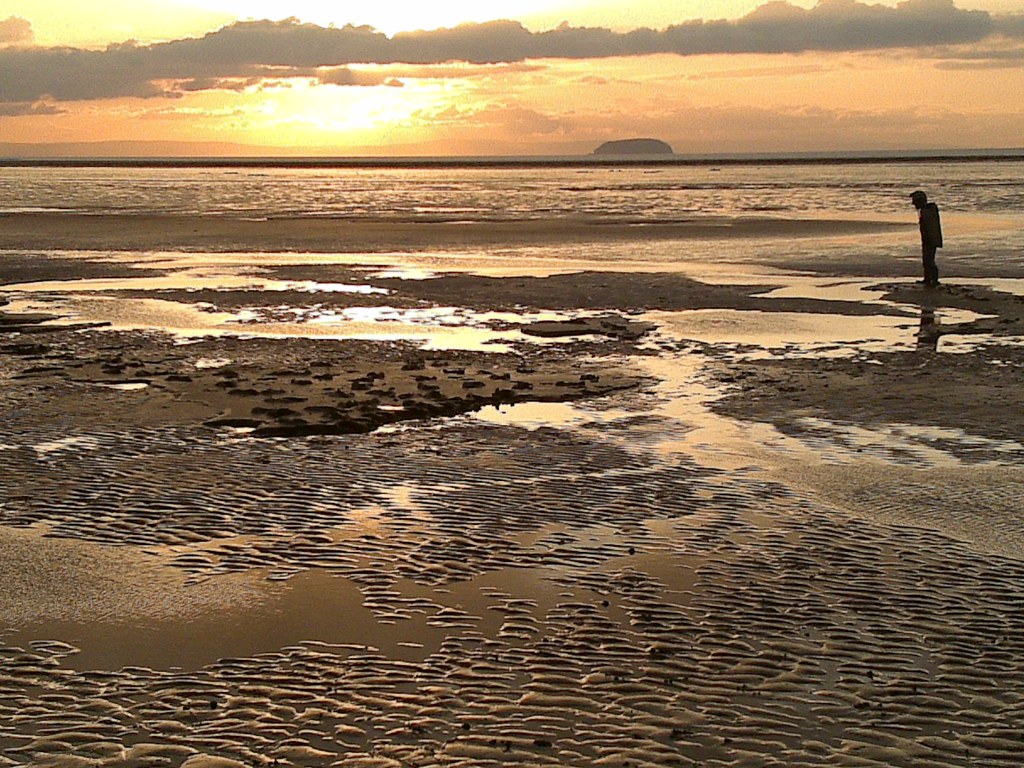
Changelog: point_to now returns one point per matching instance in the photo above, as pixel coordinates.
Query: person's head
(918, 198)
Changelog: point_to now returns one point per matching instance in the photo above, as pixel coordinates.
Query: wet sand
(642, 519)
(322, 234)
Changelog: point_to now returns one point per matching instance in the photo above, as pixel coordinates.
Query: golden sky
(508, 76)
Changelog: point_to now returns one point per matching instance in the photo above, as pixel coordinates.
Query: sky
(507, 77)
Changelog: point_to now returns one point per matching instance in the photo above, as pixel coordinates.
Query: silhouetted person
(931, 235)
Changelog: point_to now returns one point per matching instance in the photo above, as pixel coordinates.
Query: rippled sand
(701, 552)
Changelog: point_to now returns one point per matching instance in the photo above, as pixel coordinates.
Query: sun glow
(307, 114)
(287, 85)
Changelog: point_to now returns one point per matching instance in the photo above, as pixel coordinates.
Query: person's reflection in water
(928, 332)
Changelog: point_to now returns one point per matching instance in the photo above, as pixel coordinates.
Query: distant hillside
(634, 147)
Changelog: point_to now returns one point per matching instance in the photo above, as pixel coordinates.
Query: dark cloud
(69, 74)
(15, 30)
(217, 84)
(989, 58)
(1002, 63)
(780, 27)
(846, 25)
(488, 43)
(460, 70)
(247, 51)
(242, 50)
(22, 109)
(348, 77)
(1009, 26)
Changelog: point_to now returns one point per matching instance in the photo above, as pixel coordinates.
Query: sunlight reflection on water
(436, 329)
(780, 329)
(195, 279)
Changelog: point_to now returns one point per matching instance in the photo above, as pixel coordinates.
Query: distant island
(634, 147)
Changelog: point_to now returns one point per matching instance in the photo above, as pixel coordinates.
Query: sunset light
(518, 77)
(512, 383)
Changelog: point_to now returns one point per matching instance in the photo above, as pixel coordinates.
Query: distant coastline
(559, 161)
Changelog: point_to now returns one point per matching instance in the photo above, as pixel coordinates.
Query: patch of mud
(618, 291)
(290, 387)
(32, 267)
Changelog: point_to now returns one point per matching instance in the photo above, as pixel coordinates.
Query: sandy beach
(358, 505)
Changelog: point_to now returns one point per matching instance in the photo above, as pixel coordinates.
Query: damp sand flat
(323, 234)
(579, 589)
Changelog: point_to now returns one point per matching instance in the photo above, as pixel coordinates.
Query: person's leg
(931, 269)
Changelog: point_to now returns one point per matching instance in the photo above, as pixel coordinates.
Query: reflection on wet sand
(929, 331)
(192, 279)
(778, 330)
(312, 605)
(191, 321)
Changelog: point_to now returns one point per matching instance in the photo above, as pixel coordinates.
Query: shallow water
(312, 605)
(641, 194)
(464, 328)
(444, 329)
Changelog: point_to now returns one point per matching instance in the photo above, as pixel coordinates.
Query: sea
(981, 198)
(497, 191)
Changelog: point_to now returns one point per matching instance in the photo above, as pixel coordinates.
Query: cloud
(1009, 26)
(492, 42)
(780, 27)
(345, 76)
(246, 51)
(217, 84)
(15, 31)
(756, 72)
(460, 70)
(990, 58)
(26, 108)
(844, 25)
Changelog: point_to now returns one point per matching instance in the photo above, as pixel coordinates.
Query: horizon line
(586, 160)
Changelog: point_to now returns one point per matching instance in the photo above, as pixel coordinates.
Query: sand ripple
(551, 597)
